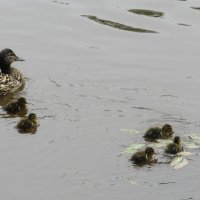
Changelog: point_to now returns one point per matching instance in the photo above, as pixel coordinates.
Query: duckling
(18, 107)
(175, 147)
(11, 79)
(144, 157)
(28, 125)
(159, 133)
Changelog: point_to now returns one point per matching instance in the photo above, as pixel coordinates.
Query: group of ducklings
(19, 108)
(152, 134)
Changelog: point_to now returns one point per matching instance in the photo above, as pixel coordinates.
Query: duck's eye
(11, 54)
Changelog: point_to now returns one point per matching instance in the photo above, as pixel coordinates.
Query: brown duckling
(18, 107)
(159, 133)
(175, 147)
(28, 125)
(144, 157)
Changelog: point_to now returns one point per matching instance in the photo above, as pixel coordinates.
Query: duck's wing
(171, 148)
(8, 84)
(139, 158)
(153, 133)
(26, 126)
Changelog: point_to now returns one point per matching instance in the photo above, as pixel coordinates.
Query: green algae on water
(191, 145)
(178, 162)
(194, 136)
(130, 131)
(185, 153)
(149, 13)
(118, 25)
(133, 148)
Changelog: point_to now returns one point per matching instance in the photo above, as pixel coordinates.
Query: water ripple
(118, 25)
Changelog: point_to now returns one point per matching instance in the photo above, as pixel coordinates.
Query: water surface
(86, 81)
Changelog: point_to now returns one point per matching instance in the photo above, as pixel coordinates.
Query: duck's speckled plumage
(11, 79)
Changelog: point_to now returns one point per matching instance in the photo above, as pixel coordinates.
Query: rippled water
(87, 80)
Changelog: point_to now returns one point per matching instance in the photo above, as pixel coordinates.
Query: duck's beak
(19, 59)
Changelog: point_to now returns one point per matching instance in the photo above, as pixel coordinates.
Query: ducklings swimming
(175, 147)
(144, 157)
(159, 133)
(11, 79)
(18, 107)
(28, 125)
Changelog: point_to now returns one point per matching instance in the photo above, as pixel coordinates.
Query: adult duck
(11, 79)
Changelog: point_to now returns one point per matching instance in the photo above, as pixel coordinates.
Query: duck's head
(32, 117)
(149, 151)
(177, 140)
(7, 56)
(21, 101)
(167, 131)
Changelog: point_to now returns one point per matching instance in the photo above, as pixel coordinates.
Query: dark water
(86, 81)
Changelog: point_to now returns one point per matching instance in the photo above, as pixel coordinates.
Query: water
(86, 81)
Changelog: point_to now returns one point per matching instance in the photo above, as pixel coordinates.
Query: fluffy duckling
(18, 107)
(175, 147)
(144, 157)
(11, 79)
(159, 133)
(28, 125)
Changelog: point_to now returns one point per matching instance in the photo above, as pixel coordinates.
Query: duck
(18, 107)
(144, 157)
(175, 147)
(29, 124)
(155, 133)
(11, 79)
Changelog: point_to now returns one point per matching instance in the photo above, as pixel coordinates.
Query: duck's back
(12, 108)
(139, 158)
(153, 133)
(173, 148)
(26, 126)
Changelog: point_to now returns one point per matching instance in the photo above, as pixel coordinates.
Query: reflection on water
(181, 24)
(4, 100)
(165, 183)
(141, 108)
(149, 13)
(195, 8)
(60, 2)
(118, 25)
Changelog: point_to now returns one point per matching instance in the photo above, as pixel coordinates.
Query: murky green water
(87, 80)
